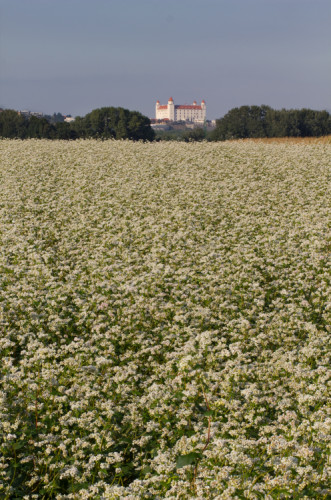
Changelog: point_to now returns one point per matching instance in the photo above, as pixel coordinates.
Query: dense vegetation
(263, 121)
(103, 123)
(165, 320)
(118, 123)
(197, 134)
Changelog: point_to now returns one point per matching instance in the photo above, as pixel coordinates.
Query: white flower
(161, 301)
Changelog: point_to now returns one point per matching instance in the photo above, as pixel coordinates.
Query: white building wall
(161, 112)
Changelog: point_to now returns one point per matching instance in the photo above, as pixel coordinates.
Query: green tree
(117, 123)
(13, 124)
(64, 131)
(139, 127)
(78, 127)
(40, 128)
(194, 135)
(263, 121)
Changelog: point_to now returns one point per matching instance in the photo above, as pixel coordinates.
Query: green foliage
(183, 135)
(55, 118)
(64, 131)
(119, 123)
(197, 134)
(12, 124)
(189, 459)
(40, 128)
(263, 121)
(115, 123)
(103, 123)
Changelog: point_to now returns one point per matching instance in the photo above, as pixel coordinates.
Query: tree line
(102, 123)
(119, 123)
(263, 121)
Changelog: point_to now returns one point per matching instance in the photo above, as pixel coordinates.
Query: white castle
(180, 112)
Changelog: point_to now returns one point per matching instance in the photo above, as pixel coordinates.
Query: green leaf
(188, 459)
(146, 470)
(127, 468)
(17, 445)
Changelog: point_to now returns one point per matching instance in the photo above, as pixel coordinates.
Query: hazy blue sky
(73, 56)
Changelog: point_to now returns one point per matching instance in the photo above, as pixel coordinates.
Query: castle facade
(181, 112)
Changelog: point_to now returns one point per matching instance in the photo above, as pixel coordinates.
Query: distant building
(181, 112)
(69, 119)
(28, 113)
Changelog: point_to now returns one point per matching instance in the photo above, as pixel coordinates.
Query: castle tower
(171, 109)
(203, 108)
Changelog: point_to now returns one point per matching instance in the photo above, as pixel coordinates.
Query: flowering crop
(165, 315)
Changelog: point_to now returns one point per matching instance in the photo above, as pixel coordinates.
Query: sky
(72, 56)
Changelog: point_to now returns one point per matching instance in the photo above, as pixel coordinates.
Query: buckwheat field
(165, 313)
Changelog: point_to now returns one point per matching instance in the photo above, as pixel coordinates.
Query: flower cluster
(165, 313)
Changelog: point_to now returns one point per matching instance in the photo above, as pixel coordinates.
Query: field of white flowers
(165, 313)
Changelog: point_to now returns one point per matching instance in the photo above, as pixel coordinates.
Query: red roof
(187, 106)
(163, 106)
(170, 99)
